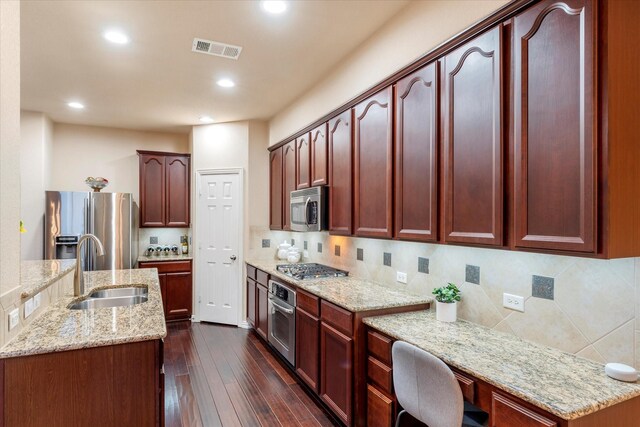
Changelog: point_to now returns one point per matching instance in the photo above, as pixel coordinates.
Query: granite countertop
(37, 275)
(351, 293)
(563, 384)
(160, 258)
(62, 329)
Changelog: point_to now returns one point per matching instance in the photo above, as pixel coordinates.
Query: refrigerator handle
(88, 229)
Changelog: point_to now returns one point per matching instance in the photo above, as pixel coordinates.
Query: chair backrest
(425, 387)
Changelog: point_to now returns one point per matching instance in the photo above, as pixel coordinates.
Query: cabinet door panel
(275, 189)
(373, 166)
(251, 302)
(319, 153)
(555, 180)
(416, 142)
(308, 348)
(380, 408)
(340, 171)
(179, 296)
(472, 119)
(303, 162)
(288, 181)
(262, 311)
(162, 278)
(178, 185)
(507, 413)
(152, 191)
(336, 367)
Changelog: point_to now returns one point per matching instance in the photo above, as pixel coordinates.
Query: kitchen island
(99, 366)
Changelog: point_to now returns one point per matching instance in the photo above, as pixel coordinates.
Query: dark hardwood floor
(225, 376)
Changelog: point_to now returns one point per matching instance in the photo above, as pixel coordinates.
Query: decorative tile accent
(423, 265)
(472, 274)
(336, 250)
(319, 248)
(266, 243)
(360, 254)
(293, 242)
(387, 259)
(542, 287)
(306, 245)
(153, 240)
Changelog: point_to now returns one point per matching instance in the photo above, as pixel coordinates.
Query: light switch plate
(401, 277)
(14, 318)
(514, 302)
(28, 308)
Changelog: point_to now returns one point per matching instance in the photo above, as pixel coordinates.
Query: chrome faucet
(78, 279)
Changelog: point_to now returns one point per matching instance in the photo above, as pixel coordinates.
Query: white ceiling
(157, 83)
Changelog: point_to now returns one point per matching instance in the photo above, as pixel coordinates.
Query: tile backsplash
(589, 307)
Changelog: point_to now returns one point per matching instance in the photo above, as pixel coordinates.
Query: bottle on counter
(184, 241)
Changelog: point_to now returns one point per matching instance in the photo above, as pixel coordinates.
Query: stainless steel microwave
(308, 209)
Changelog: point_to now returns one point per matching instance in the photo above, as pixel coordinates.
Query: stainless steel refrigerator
(112, 217)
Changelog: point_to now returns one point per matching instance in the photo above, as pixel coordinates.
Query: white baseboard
(244, 325)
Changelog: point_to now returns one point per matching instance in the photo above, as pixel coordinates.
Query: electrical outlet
(37, 300)
(514, 302)
(14, 317)
(28, 308)
(401, 277)
(305, 254)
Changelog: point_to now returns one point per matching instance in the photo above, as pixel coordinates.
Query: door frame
(199, 173)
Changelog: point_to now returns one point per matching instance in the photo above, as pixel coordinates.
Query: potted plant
(446, 299)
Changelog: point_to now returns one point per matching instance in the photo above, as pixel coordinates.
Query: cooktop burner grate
(310, 271)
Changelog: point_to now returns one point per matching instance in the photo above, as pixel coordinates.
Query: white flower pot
(446, 312)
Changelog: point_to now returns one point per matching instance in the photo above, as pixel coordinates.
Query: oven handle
(306, 211)
(281, 308)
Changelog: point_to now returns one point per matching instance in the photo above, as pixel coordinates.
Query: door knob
(233, 257)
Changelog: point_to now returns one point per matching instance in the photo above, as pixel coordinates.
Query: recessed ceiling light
(226, 83)
(75, 105)
(116, 36)
(274, 6)
(206, 119)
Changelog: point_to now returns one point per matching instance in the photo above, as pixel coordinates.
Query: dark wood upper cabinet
(340, 174)
(152, 194)
(288, 181)
(319, 154)
(178, 179)
(554, 145)
(373, 166)
(303, 161)
(472, 141)
(416, 161)
(164, 184)
(275, 189)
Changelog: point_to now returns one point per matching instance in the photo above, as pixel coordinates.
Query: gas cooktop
(310, 271)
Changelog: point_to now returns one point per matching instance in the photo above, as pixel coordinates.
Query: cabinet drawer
(262, 278)
(168, 266)
(308, 303)
(505, 413)
(380, 346)
(380, 411)
(337, 317)
(380, 374)
(251, 272)
(467, 386)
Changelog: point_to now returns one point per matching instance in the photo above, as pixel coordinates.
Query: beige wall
(9, 146)
(258, 174)
(416, 29)
(36, 141)
(82, 151)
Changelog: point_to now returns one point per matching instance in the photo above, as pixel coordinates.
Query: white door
(218, 239)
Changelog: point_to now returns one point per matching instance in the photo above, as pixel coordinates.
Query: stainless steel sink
(120, 292)
(122, 301)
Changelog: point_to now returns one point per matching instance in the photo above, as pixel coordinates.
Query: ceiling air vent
(216, 48)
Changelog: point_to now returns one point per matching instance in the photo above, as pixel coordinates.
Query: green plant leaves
(447, 294)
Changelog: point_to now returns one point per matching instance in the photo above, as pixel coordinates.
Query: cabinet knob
(233, 257)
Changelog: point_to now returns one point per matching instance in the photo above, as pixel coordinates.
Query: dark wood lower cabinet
(380, 408)
(308, 348)
(262, 311)
(176, 286)
(336, 368)
(118, 385)
(251, 302)
(507, 413)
